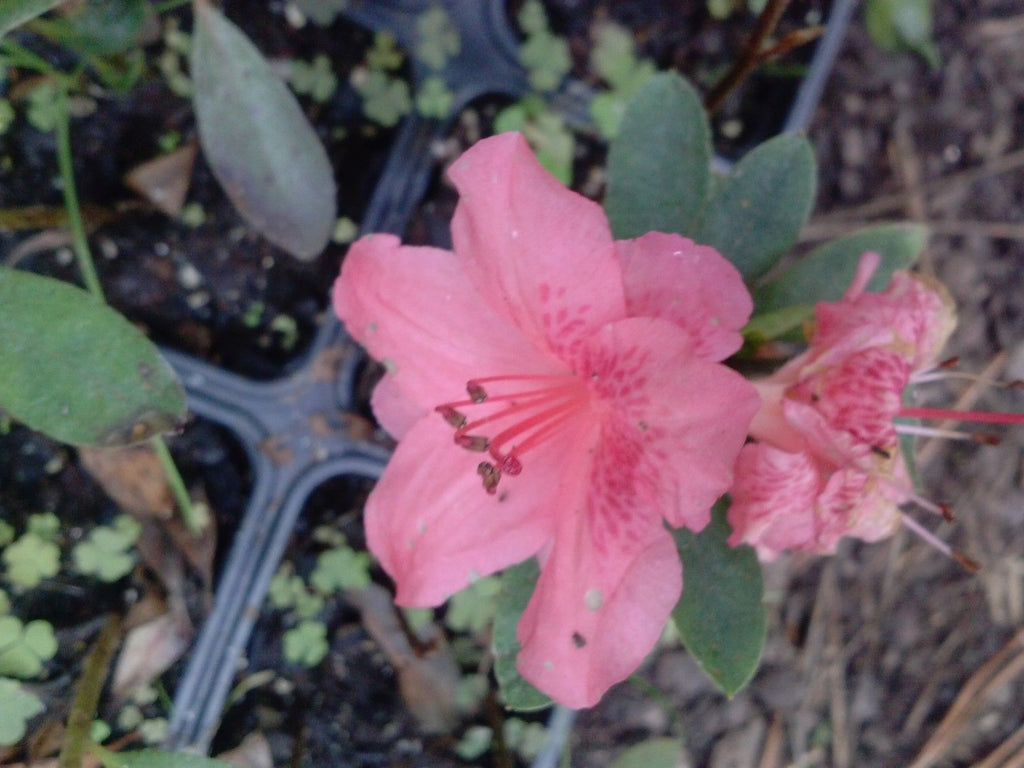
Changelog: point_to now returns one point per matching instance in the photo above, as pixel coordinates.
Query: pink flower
(827, 463)
(554, 393)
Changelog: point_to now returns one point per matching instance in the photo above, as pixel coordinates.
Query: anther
(472, 442)
(476, 393)
(878, 451)
(453, 417)
(986, 439)
(490, 474)
(947, 512)
(965, 562)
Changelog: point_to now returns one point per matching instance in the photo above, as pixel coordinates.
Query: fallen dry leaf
(253, 752)
(132, 477)
(164, 180)
(150, 649)
(428, 676)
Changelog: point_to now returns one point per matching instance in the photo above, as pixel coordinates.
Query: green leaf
(14, 13)
(102, 27)
(17, 706)
(825, 273)
(756, 214)
(437, 38)
(473, 608)
(259, 144)
(321, 12)
(341, 568)
(517, 586)
(902, 25)
(720, 615)
(306, 643)
(31, 559)
(104, 554)
(658, 170)
(73, 368)
(773, 325)
(155, 758)
(24, 647)
(653, 753)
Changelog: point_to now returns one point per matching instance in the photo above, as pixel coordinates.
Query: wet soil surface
(868, 652)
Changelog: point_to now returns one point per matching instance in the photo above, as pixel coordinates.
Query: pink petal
(677, 424)
(540, 254)
(435, 529)
(395, 410)
(773, 500)
(673, 278)
(601, 602)
(415, 310)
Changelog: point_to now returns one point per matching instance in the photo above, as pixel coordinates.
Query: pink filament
(981, 417)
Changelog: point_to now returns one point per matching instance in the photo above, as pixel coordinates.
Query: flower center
(506, 416)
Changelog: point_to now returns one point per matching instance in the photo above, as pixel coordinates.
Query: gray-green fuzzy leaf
(756, 214)
(258, 142)
(658, 169)
(720, 615)
(73, 368)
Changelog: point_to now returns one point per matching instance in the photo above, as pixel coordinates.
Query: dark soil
(867, 651)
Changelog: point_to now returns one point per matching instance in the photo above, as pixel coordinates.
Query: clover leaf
(5, 603)
(434, 99)
(306, 643)
(31, 559)
(24, 647)
(472, 609)
(340, 568)
(315, 79)
(386, 99)
(437, 39)
(104, 553)
(384, 55)
(17, 706)
(45, 525)
(6, 533)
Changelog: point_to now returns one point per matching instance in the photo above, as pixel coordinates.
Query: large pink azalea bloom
(554, 393)
(827, 461)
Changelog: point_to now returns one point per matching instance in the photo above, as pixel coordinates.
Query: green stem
(188, 513)
(92, 283)
(87, 696)
(20, 56)
(67, 178)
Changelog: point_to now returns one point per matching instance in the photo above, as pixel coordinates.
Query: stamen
(965, 562)
(453, 417)
(472, 442)
(490, 474)
(981, 417)
(951, 434)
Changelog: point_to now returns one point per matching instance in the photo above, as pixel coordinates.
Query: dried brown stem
(749, 57)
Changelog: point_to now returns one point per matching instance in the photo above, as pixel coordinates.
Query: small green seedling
(553, 143)
(45, 525)
(104, 554)
(7, 533)
(340, 568)
(24, 647)
(544, 54)
(386, 99)
(384, 56)
(31, 559)
(315, 79)
(17, 707)
(306, 643)
(434, 99)
(436, 38)
(614, 59)
(903, 25)
(6, 116)
(472, 609)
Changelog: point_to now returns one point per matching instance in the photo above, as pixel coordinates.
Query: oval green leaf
(720, 615)
(658, 169)
(755, 215)
(74, 369)
(825, 273)
(259, 144)
(14, 13)
(517, 585)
